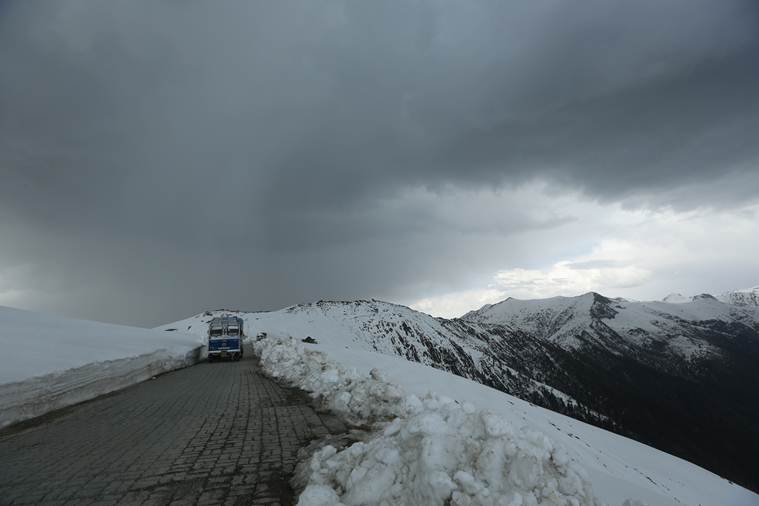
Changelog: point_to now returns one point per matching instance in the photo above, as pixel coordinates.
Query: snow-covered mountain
(677, 376)
(497, 356)
(748, 297)
(664, 373)
(650, 330)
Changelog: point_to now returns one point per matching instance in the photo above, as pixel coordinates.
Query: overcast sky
(158, 158)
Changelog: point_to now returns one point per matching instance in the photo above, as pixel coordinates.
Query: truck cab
(225, 335)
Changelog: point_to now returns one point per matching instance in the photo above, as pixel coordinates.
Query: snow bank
(42, 394)
(49, 362)
(358, 399)
(429, 449)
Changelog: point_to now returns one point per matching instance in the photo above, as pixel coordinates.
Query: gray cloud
(148, 147)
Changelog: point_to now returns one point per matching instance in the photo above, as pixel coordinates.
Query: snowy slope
(366, 334)
(369, 324)
(617, 468)
(642, 369)
(49, 361)
(468, 350)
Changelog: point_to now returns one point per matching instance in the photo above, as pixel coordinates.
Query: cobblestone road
(217, 433)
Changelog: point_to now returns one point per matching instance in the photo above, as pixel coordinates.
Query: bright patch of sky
(632, 253)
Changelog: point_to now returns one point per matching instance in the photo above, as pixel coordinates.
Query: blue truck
(225, 335)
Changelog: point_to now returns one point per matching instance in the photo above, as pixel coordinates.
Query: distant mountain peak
(676, 298)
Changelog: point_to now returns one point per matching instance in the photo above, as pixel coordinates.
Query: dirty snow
(50, 362)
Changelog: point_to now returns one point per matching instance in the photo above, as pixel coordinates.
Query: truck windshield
(233, 331)
(215, 332)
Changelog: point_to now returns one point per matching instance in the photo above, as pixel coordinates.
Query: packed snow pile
(429, 450)
(359, 399)
(51, 362)
(446, 453)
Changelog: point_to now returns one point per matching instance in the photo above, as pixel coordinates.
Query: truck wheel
(210, 358)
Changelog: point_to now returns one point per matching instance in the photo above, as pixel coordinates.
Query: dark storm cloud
(147, 147)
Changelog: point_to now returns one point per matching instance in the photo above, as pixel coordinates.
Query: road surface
(218, 433)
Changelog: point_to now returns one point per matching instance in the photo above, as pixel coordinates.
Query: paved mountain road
(217, 433)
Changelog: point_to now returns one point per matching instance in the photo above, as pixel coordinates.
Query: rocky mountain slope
(658, 333)
(678, 376)
(749, 297)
